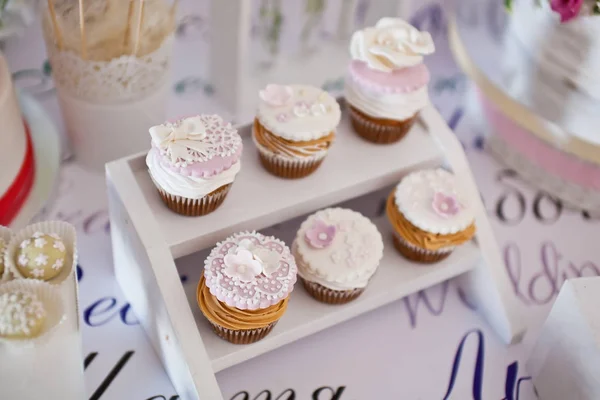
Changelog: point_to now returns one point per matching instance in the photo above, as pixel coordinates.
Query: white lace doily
(121, 79)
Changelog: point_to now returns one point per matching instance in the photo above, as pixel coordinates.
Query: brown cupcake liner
(380, 131)
(243, 336)
(423, 256)
(195, 207)
(289, 169)
(330, 296)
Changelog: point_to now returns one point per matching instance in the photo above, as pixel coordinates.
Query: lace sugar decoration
(196, 139)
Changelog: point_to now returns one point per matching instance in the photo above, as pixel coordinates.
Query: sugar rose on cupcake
(387, 80)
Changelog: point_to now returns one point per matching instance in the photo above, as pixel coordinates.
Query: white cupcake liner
(68, 235)
(50, 297)
(5, 234)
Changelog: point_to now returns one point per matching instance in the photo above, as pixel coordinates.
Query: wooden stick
(128, 27)
(139, 28)
(82, 31)
(174, 9)
(57, 33)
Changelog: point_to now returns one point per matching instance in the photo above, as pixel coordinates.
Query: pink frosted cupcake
(386, 86)
(245, 287)
(193, 162)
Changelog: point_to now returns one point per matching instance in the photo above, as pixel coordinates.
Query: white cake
(553, 65)
(16, 172)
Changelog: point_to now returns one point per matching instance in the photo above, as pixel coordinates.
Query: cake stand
(150, 243)
(46, 147)
(525, 137)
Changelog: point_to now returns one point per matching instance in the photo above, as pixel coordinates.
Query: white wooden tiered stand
(147, 238)
(565, 361)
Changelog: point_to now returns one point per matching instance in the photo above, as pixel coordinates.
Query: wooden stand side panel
(147, 273)
(488, 284)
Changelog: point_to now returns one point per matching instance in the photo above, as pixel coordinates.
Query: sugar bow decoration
(276, 95)
(320, 235)
(445, 205)
(180, 140)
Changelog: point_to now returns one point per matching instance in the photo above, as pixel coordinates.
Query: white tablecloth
(429, 346)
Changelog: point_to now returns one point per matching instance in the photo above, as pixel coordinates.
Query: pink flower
(320, 235)
(242, 265)
(276, 95)
(567, 9)
(445, 205)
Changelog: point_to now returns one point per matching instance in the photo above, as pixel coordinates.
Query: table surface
(430, 345)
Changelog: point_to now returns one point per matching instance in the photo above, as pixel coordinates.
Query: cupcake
(193, 163)
(42, 256)
(430, 215)
(245, 287)
(386, 83)
(337, 251)
(294, 128)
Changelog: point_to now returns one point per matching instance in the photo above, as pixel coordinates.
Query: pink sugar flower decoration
(276, 95)
(445, 205)
(242, 265)
(320, 235)
(567, 9)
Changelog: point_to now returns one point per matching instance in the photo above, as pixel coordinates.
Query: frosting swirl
(233, 318)
(289, 148)
(392, 44)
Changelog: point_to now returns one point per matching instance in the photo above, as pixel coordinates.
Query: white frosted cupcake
(337, 252)
(193, 162)
(294, 128)
(430, 214)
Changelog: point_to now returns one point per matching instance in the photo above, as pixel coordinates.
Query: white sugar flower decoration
(39, 242)
(58, 264)
(59, 245)
(269, 260)
(242, 265)
(38, 273)
(23, 260)
(55, 236)
(24, 244)
(38, 235)
(276, 95)
(392, 44)
(180, 139)
(41, 260)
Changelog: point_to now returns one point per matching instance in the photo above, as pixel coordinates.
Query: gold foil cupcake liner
(377, 130)
(330, 296)
(5, 234)
(417, 254)
(195, 207)
(243, 336)
(288, 168)
(68, 235)
(49, 295)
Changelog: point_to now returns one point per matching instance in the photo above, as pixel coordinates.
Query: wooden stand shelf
(149, 241)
